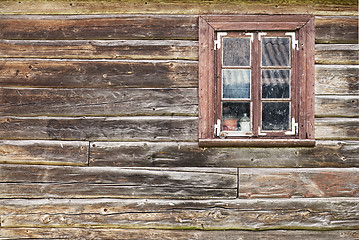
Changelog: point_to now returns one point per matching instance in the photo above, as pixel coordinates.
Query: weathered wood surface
(337, 79)
(337, 54)
(329, 29)
(337, 128)
(157, 234)
(241, 214)
(337, 106)
(98, 74)
(304, 182)
(29, 181)
(157, 74)
(168, 154)
(44, 152)
(342, 29)
(151, 128)
(98, 27)
(98, 102)
(92, 49)
(327, 7)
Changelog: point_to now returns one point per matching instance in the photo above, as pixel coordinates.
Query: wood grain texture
(44, 152)
(327, 7)
(157, 234)
(336, 29)
(337, 79)
(241, 214)
(337, 106)
(304, 182)
(99, 49)
(337, 128)
(98, 27)
(161, 128)
(336, 54)
(98, 74)
(97, 102)
(168, 154)
(329, 29)
(18, 181)
(151, 128)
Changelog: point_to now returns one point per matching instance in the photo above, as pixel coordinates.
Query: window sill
(256, 142)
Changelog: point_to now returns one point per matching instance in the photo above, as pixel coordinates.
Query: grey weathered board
(151, 154)
(151, 128)
(242, 214)
(30, 181)
(157, 234)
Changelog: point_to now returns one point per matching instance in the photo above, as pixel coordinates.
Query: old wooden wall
(98, 127)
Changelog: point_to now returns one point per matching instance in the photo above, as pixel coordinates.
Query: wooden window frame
(303, 26)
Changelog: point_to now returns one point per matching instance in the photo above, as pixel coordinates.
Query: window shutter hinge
(260, 133)
(217, 128)
(260, 35)
(217, 42)
(295, 43)
(295, 127)
(252, 36)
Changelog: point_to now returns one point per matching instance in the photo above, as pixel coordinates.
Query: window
(256, 80)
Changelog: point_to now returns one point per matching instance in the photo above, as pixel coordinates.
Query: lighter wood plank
(337, 106)
(336, 54)
(304, 182)
(98, 102)
(157, 234)
(336, 128)
(44, 152)
(337, 79)
(169, 154)
(32, 181)
(241, 214)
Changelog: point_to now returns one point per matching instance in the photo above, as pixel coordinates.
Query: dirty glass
(236, 51)
(275, 51)
(236, 116)
(275, 116)
(236, 83)
(275, 83)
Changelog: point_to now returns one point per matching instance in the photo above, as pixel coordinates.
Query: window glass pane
(275, 116)
(236, 116)
(275, 51)
(236, 83)
(236, 51)
(275, 83)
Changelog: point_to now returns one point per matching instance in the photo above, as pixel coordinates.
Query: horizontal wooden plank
(113, 233)
(330, 29)
(98, 74)
(169, 154)
(327, 7)
(336, 54)
(242, 214)
(98, 27)
(336, 128)
(292, 182)
(98, 102)
(337, 79)
(34, 181)
(92, 49)
(337, 106)
(161, 128)
(151, 128)
(44, 152)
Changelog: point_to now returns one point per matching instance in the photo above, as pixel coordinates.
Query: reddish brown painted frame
(208, 25)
